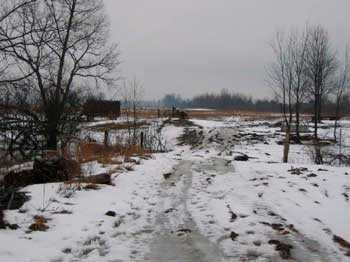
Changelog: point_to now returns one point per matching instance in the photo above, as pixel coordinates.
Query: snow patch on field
(195, 202)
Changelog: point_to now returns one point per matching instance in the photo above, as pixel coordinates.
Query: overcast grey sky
(194, 46)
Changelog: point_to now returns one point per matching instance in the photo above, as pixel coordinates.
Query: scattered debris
(170, 210)
(257, 243)
(233, 215)
(297, 171)
(62, 212)
(342, 242)
(312, 175)
(282, 248)
(242, 157)
(111, 213)
(233, 235)
(167, 175)
(277, 226)
(183, 231)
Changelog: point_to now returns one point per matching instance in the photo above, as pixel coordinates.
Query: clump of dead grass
(40, 224)
(108, 155)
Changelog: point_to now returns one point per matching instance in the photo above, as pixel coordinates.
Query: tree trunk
(319, 113)
(297, 121)
(337, 113)
(286, 144)
(106, 138)
(318, 154)
(52, 140)
(51, 129)
(316, 117)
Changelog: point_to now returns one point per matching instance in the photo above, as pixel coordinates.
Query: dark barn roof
(102, 108)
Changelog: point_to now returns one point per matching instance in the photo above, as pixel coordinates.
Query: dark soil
(282, 248)
(191, 137)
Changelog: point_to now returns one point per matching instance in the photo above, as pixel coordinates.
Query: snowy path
(177, 238)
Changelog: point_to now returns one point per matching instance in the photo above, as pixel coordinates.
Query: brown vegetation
(88, 151)
(39, 224)
(210, 113)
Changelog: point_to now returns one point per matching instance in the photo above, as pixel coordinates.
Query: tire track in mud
(177, 238)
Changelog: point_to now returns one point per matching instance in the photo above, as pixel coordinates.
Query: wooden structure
(101, 108)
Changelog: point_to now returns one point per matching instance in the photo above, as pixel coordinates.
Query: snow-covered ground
(195, 203)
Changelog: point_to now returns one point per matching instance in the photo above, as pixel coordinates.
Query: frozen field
(196, 203)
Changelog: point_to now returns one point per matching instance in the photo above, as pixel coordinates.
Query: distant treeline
(235, 101)
(222, 100)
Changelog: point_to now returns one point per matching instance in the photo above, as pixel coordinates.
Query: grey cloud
(194, 46)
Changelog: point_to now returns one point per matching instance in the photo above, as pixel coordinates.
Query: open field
(208, 113)
(216, 114)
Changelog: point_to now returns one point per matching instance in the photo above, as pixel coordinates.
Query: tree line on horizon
(225, 100)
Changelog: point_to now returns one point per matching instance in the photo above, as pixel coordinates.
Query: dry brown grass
(248, 115)
(206, 114)
(117, 126)
(88, 151)
(39, 224)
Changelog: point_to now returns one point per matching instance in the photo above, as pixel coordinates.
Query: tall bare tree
(281, 80)
(298, 45)
(50, 48)
(321, 63)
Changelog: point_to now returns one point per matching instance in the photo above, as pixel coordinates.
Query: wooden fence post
(141, 140)
(106, 138)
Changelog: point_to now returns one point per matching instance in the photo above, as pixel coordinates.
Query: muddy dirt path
(177, 238)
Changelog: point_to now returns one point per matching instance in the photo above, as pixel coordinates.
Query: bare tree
(321, 64)
(50, 48)
(132, 93)
(300, 82)
(341, 86)
(281, 79)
